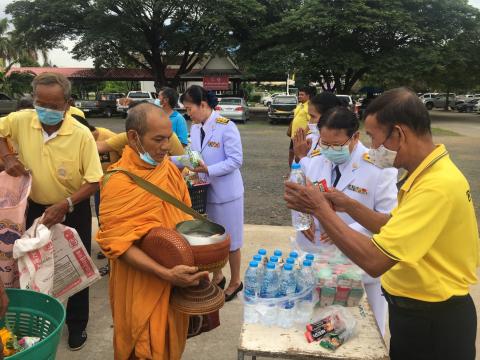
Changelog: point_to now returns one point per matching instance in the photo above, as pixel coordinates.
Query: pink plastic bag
(14, 193)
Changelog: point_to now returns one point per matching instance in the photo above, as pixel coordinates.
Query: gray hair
(49, 78)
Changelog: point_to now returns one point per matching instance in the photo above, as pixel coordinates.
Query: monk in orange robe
(145, 327)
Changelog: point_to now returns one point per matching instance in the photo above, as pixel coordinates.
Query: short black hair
(325, 101)
(400, 106)
(309, 90)
(171, 95)
(196, 94)
(84, 122)
(340, 118)
(137, 117)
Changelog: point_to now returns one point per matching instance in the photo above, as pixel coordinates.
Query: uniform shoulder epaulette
(222, 120)
(367, 158)
(316, 152)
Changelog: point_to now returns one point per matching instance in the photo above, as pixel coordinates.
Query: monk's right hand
(185, 276)
(13, 166)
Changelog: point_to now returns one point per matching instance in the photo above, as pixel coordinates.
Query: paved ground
(265, 152)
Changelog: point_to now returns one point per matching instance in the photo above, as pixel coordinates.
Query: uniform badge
(62, 172)
(213, 144)
(222, 120)
(367, 158)
(315, 152)
(357, 189)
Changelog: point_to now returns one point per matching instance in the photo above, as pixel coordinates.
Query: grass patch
(443, 132)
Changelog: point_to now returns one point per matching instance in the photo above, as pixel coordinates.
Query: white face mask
(382, 157)
(313, 128)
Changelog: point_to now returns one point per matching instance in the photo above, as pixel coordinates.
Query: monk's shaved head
(139, 115)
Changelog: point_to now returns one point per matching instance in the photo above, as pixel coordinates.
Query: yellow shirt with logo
(432, 233)
(118, 142)
(59, 165)
(300, 117)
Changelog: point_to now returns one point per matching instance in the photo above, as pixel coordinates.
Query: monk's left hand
(185, 276)
(55, 214)
(306, 199)
(202, 168)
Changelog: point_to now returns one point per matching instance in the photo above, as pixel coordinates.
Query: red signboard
(215, 82)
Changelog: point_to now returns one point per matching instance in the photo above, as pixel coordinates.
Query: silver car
(233, 108)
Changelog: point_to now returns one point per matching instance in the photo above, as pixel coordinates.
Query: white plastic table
(274, 342)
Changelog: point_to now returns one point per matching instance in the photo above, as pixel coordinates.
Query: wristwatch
(70, 205)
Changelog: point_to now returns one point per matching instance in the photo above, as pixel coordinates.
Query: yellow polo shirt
(432, 233)
(118, 142)
(300, 117)
(59, 165)
(107, 159)
(76, 111)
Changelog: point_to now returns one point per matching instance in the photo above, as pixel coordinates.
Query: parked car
(134, 96)
(476, 107)
(7, 104)
(268, 100)
(467, 106)
(233, 108)
(439, 101)
(103, 104)
(282, 108)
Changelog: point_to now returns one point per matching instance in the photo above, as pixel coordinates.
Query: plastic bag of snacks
(335, 325)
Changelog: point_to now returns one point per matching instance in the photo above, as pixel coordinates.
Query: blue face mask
(145, 156)
(48, 116)
(337, 156)
(157, 102)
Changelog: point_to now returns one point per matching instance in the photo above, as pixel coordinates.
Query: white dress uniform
(313, 134)
(364, 182)
(223, 155)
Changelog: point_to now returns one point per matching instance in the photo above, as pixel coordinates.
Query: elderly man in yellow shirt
(427, 249)
(62, 158)
(300, 117)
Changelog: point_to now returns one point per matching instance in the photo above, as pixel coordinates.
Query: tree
(338, 42)
(150, 34)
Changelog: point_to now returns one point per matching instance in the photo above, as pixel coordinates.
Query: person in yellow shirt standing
(62, 158)
(427, 249)
(300, 117)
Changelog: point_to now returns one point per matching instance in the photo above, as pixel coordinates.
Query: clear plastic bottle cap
(257, 258)
(262, 252)
(288, 267)
(273, 259)
(290, 261)
(309, 257)
(271, 265)
(277, 253)
(253, 264)
(294, 254)
(295, 166)
(307, 263)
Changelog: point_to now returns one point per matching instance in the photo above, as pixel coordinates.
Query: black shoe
(77, 340)
(101, 256)
(104, 270)
(222, 283)
(232, 295)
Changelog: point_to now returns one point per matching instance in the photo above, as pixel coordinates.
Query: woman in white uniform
(345, 166)
(305, 143)
(218, 140)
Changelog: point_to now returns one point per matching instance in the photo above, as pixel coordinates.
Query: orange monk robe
(144, 323)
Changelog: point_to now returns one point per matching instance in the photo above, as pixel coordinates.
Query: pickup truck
(134, 96)
(7, 104)
(103, 104)
(282, 108)
(438, 101)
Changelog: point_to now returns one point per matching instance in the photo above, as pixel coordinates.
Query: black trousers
(443, 332)
(81, 220)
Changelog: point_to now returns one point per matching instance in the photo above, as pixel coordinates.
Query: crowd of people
(416, 239)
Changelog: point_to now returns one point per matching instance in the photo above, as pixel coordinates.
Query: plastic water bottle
(288, 284)
(278, 254)
(268, 290)
(258, 259)
(269, 285)
(294, 255)
(263, 254)
(310, 257)
(290, 261)
(251, 290)
(306, 281)
(300, 221)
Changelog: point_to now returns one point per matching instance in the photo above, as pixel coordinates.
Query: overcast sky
(63, 58)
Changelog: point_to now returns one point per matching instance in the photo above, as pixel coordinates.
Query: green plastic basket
(35, 314)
